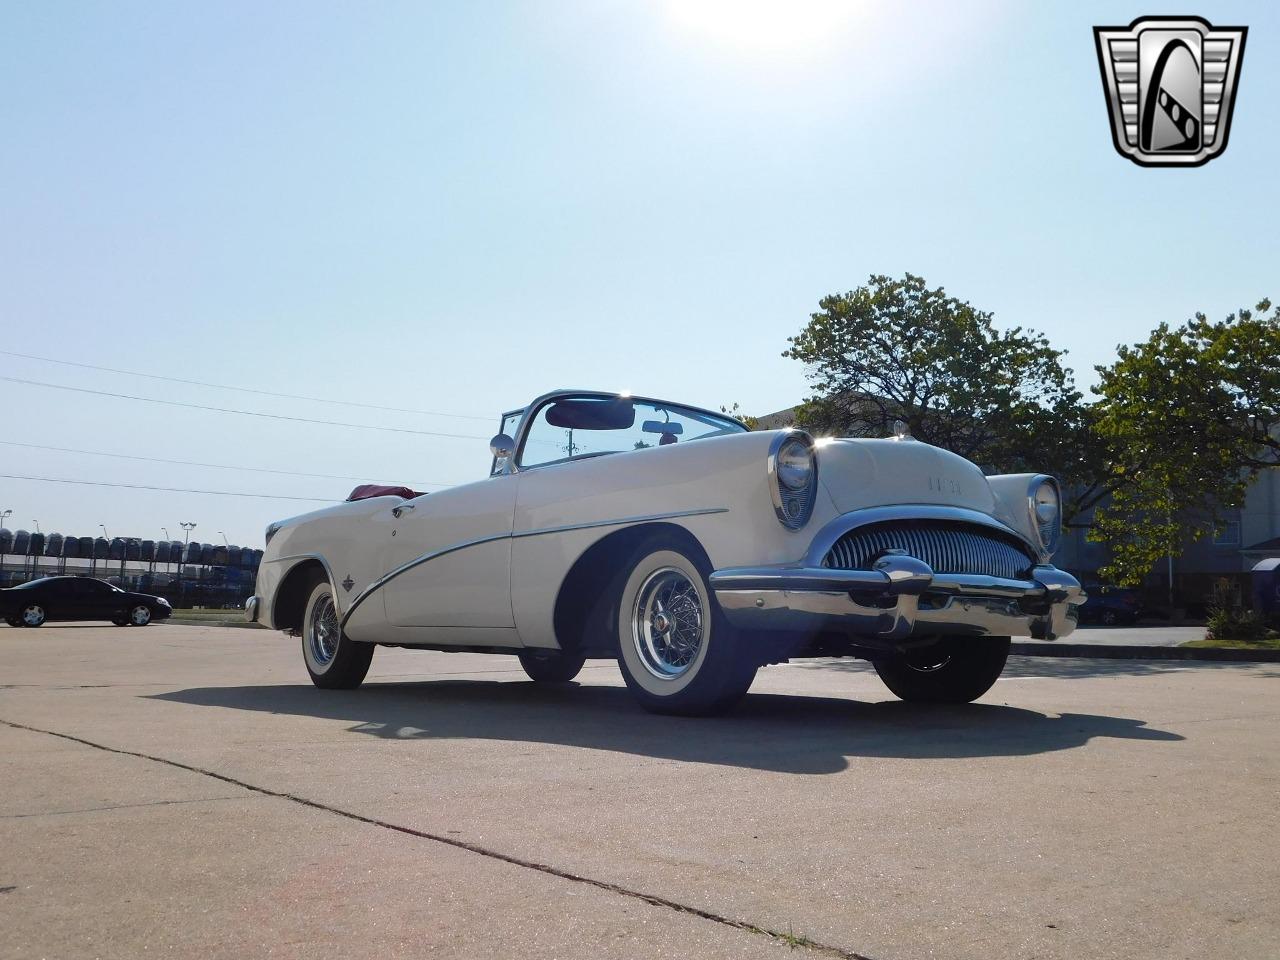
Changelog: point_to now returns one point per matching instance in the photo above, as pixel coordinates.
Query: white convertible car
(688, 548)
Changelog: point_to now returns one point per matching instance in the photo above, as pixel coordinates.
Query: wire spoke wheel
(323, 631)
(668, 623)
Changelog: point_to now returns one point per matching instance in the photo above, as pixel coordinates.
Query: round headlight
(793, 477)
(1046, 509)
(795, 465)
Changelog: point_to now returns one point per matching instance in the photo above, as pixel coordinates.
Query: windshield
(568, 428)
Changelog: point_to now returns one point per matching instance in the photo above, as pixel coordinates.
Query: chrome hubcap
(141, 616)
(668, 623)
(323, 632)
(33, 616)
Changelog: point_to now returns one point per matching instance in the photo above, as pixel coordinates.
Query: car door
(453, 553)
(58, 599)
(97, 600)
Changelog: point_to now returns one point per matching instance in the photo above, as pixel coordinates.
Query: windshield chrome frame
(532, 410)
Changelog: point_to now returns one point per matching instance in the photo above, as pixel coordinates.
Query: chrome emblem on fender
(1170, 84)
(348, 583)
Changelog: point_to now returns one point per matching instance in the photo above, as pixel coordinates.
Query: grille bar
(946, 547)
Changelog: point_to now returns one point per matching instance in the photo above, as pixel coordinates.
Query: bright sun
(767, 26)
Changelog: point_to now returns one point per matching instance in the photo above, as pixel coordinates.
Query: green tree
(895, 350)
(1190, 416)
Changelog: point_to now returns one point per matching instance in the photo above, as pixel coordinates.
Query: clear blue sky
(454, 207)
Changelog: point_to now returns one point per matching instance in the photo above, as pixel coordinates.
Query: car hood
(872, 473)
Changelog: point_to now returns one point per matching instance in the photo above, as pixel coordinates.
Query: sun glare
(766, 26)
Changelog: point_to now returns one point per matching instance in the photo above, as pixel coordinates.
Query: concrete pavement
(184, 790)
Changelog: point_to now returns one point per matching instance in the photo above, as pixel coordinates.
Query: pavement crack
(786, 937)
(109, 807)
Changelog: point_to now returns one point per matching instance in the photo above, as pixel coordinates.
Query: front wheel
(140, 615)
(334, 661)
(551, 666)
(677, 652)
(951, 671)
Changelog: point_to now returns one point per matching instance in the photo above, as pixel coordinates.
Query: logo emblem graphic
(348, 583)
(1171, 85)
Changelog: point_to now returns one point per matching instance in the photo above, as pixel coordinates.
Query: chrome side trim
(512, 535)
(826, 538)
(674, 515)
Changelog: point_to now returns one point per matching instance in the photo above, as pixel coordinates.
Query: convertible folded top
(367, 490)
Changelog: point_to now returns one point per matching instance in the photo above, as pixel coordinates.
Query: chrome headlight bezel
(1046, 528)
(793, 504)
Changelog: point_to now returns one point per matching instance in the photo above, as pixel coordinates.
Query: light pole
(105, 535)
(187, 526)
(4, 515)
(225, 542)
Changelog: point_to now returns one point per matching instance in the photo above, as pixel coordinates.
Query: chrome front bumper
(899, 598)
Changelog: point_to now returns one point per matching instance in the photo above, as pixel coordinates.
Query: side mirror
(502, 446)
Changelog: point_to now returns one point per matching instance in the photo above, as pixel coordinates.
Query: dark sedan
(1111, 606)
(78, 598)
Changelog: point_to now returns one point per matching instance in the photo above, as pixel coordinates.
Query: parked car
(690, 549)
(33, 603)
(1111, 606)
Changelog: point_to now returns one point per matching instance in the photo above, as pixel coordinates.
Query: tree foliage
(1191, 415)
(896, 350)
(1180, 425)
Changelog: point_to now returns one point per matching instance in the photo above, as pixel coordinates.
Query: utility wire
(261, 393)
(216, 466)
(137, 486)
(243, 413)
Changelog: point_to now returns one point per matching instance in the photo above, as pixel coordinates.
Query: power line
(261, 393)
(243, 413)
(138, 486)
(216, 466)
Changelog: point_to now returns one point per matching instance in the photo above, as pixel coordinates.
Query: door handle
(397, 511)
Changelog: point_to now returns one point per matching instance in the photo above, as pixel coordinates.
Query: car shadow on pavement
(785, 734)
(1068, 668)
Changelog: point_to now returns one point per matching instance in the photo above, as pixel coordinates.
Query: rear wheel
(958, 670)
(677, 652)
(551, 666)
(32, 615)
(335, 661)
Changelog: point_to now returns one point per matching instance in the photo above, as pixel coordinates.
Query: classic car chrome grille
(946, 547)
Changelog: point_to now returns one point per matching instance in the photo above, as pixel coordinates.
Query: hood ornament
(901, 431)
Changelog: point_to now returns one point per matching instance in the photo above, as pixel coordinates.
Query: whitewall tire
(334, 661)
(676, 651)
